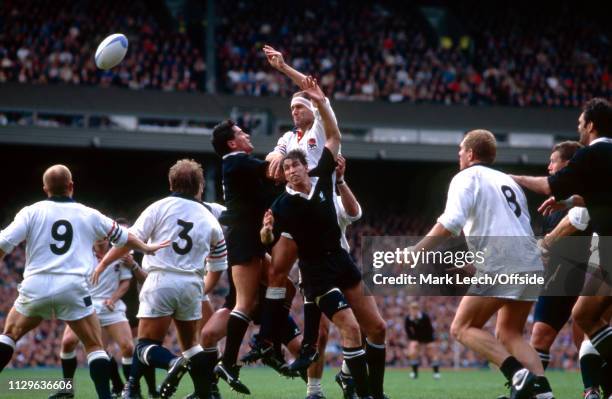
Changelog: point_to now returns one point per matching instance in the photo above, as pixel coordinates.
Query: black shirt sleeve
(570, 180)
(282, 222)
(326, 164)
(257, 166)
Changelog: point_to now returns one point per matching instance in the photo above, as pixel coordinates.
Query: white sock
(314, 386)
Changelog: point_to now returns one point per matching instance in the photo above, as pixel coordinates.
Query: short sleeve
(343, 215)
(15, 232)
(459, 203)
(125, 273)
(282, 144)
(217, 257)
(257, 166)
(144, 225)
(108, 228)
(579, 217)
(282, 221)
(570, 180)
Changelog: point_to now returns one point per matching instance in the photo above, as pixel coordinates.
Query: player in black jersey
(420, 332)
(306, 214)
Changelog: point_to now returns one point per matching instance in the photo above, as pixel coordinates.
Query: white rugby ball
(111, 51)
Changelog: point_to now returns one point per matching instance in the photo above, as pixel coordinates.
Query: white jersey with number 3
(195, 234)
(486, 204)
(59, 235)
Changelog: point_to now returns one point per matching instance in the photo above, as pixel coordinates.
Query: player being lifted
(59, 235)
(487, 204)
(306, 214)
(420, 332)
(174, 286)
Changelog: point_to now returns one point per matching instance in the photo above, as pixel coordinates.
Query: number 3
(187, 226)
(511, 198)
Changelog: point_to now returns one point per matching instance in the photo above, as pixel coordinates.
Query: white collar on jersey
(233, 153)
(308, 196)
(601, 140)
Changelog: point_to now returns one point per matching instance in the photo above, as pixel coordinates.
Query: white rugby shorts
(171, 294)
(61, 296)
(109, 317)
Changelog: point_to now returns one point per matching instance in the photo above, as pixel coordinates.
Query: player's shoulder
(214, 208)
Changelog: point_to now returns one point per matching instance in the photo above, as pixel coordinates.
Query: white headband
(302, 101)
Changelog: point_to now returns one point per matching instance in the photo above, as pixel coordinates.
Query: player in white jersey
(59, 235)
(106, 296)
(485, 204)
(174, 286)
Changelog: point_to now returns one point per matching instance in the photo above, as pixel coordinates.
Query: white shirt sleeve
(282, 143)
(125, 273)
(217, 209)
(217, 258)
(579, 217)
(459, 203)
(343, 215)
(15, 232)
(106, 227)
(143, 226)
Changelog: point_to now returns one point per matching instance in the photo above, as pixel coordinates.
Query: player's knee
(458, 330)
(127, 348)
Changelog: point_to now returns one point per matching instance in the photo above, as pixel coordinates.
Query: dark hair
(599, 111)
(567, 149)
(483, 145)
(186, 177)
(296, 154)
(222, 133)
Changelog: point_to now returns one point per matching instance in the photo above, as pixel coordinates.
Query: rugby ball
(111, 51)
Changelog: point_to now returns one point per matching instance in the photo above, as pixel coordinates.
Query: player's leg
(511, 320)
(15, 327)
(212, 332)
(352, 346)
(284, 255)
(434, 357)
(115, 377)
(314, 389)
(308, 351)
(246, 278)
(550, 315)
(121, 334)
(89, 332)
(68, 362)
(472, 314)
(588, 313)
(374, 327)
(187, 331)
(207, 312)
(413, 354)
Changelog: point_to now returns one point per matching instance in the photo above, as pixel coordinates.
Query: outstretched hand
(551, 205)
(311, 87)
(150, 249)
(275, 57)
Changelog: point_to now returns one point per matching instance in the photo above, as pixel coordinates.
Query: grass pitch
(266, 384)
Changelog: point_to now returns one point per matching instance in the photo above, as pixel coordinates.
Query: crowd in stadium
(364, 51)
(41, 347)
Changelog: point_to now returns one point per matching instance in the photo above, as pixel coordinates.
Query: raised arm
(266, 233)
(276, 60)
(332, 133)
(536, 184)
(349, 202)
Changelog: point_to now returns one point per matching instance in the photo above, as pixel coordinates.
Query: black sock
(69, 364)
(510, 366)
(149, 376)
(126, 367)
(602, 341)
(236, 328)
(590, 369)
(312, 319)
(197, 371)
(211, 357)
(290, 331)
(606, 379)
(415, 367)
(544, 357)
(355, 359)
(376, 357)
(435, 366)
(7, 347)
(271, 313)
(114, 375)
(152, 353)
(99, 370)
(137, 369)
